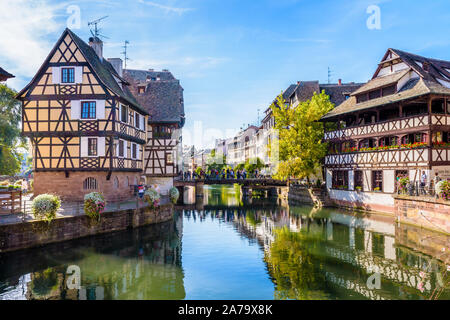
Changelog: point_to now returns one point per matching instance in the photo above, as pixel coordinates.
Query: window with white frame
(121, 150)
(123, 114)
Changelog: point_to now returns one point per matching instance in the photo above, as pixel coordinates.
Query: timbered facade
(162, 97)
(396, 125)
(86, 128)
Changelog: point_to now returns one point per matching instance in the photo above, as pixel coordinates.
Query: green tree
(215, 161)
(253, 164)
(300, 135)
(10, 139)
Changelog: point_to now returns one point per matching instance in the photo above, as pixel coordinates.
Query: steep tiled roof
(105, 71)
(338, 92)
(382, 81)
(286, 94)
(428, 82)
(144, 75)
(163, 99)
(102, 68)
(5, 75)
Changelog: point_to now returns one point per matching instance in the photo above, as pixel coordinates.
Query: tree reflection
(293, 267)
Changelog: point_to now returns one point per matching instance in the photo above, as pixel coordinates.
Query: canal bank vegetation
(300, 136)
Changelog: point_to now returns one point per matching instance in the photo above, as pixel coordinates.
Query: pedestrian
(436, 180)
(423, 181)
(24, 186)
(141, 189)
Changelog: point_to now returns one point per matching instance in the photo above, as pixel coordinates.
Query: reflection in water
(144, 263)
(237, 248)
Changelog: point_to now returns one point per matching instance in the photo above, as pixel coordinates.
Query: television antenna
(96, 32)
(329, 75)
(125, 52)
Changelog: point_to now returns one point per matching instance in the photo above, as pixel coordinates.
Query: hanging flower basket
(174, 194)
(152, 197)
(94, 205)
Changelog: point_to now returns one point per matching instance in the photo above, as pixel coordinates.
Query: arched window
(116, 182)
(90, 184)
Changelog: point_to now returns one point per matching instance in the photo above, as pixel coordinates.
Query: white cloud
(166, 8)
(24, 28)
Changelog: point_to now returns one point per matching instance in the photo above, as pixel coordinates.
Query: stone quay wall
(36, 233)
(425, 212)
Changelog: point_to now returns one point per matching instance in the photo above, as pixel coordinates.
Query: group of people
(228, 173)
(424, 183)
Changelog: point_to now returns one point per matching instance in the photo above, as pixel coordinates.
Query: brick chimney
(97, 45)
(340, 82)
(117, 65)
(298, 83)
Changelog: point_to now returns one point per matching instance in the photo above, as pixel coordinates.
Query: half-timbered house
(86, 128)
(396, 125)
(162, 97)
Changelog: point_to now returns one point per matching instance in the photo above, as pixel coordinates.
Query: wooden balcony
(420, 157)
(415, 123)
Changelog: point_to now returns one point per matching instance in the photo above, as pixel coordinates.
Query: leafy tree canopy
(10, 139)
(300, 135)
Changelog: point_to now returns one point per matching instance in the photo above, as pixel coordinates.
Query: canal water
(226, 247)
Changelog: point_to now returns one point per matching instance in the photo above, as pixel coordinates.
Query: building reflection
(144, 263)
(314, 254)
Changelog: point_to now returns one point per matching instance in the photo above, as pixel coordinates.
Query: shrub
(443, 189)
(174, 194)
(151, 196)
(45, 206)
(358, 188)
(403, 184)
(94, 205)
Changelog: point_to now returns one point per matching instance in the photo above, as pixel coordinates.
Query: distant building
(162, 97)
(396, 125)
(4, 75)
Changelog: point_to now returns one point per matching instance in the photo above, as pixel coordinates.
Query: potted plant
(45, 206)
(403, 184)
(94, 205)
(174, 194)
(152, 197)
(358, 189)
(377, 189)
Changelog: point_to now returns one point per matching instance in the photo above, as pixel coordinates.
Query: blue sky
(232, 57)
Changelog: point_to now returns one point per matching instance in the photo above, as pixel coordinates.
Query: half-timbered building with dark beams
(162, 97)
(396, 125)
(86, 128)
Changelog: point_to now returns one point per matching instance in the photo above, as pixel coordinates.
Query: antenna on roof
(125, 56)
(329, 75)
(96, 32)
